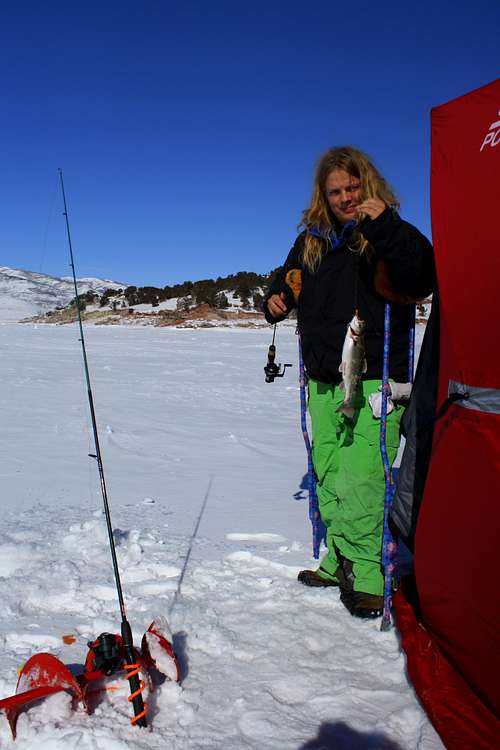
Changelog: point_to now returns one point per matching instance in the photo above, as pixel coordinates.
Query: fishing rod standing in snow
(128, 646)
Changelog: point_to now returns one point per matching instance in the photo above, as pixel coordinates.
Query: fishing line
(193, 537)
(356, 284)
(49, 220)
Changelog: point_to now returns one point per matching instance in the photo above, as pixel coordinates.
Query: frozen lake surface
(205, 467)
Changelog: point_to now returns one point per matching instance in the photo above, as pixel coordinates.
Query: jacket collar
(333, 237)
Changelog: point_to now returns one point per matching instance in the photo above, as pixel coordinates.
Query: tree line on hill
(250, 288)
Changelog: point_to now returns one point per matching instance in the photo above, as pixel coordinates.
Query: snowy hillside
(205, 468)
(26, 293)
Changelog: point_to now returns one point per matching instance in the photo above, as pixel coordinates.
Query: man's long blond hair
(319, 214)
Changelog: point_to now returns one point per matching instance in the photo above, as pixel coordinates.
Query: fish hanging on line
(353, 364)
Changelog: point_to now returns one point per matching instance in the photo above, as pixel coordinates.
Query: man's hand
(276, 305)
(372, 207)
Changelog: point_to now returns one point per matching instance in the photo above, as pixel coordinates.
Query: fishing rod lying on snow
(44, 674)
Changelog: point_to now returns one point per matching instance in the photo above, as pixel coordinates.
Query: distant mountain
(29, 295)
(235, 300)
(26, 293)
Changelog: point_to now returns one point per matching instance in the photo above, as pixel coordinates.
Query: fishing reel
(106, 653)
(271, 369)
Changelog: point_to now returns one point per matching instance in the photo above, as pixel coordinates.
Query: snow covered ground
(205, 469)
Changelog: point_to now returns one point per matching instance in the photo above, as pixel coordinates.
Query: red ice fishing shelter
(453, 656)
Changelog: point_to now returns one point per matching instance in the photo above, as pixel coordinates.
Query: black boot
(313, 578)
(359, 604)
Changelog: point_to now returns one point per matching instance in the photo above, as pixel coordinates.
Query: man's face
(343, 193)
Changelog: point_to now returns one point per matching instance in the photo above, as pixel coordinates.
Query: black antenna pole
(135, 683)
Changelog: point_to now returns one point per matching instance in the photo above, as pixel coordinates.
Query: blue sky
(188, 132)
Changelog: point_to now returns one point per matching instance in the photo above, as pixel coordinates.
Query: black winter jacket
(343, 281)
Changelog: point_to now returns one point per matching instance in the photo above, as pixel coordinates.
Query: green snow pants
(351, 484)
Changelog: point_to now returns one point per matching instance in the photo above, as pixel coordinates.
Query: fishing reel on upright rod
(106, 653)
(271, 369)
